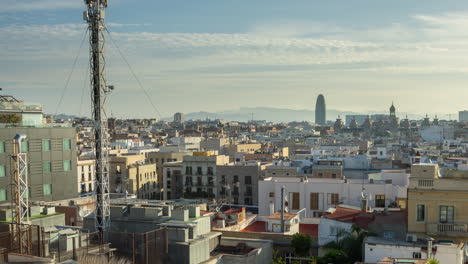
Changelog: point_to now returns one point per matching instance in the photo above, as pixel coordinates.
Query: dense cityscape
(372, 188)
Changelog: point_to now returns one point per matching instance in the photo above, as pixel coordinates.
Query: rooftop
(277, 216)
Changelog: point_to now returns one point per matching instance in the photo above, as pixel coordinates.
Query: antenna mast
(95, 18)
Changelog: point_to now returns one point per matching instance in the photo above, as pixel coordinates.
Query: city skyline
(275, 55)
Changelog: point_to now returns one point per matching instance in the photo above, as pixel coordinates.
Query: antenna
(95, 17)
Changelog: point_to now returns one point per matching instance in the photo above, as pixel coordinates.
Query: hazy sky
(212, 55)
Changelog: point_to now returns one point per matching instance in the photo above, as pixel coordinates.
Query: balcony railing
(447, 229)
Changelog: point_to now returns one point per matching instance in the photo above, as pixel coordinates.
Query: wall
(325, 230)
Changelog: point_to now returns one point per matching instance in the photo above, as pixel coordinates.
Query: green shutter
(46, 167)
(2, 171)
(2, 146)
(45, 145)
(2, 195)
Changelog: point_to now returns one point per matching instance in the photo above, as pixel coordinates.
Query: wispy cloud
(269, 58)
(34, 5)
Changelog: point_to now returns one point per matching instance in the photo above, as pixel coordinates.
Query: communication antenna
(94, 16)
(21, 192)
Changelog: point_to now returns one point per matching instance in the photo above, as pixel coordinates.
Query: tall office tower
(320, 110)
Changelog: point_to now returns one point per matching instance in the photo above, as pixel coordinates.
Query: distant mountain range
(269, 114)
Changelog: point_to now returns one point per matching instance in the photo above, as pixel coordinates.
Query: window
(379, 200)
(446, 214)
(3, 195)
(188, 170)
(66, 144)
(46, 145)
(46, 167)
(25, 146)
(2, 146)
(118, 169)
(47, 189)
(271, 194)
(236, 179)
(389, 235)
(295, 201)
(320, 174)
(417, 255)
(248, 191)
(248, 180)
(314, 201)
(334, 199)
(333, 175)
(67, 165)
(2, 171)
(421, 213)
(199, 170)
(210, 170)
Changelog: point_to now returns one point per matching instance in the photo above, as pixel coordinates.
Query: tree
(301, 244)
(334, 256)
(277, 259)
(433, 261)
(350, 243)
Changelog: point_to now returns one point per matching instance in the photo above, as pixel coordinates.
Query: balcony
(447, 229)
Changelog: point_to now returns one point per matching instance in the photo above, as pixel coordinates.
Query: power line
(71, 72)
(133, 73)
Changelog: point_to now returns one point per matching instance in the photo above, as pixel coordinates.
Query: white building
(376, 248)
(187, 143)
(437, 133)
(319, 194)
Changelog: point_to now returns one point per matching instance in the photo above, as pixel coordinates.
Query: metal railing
(454, 229)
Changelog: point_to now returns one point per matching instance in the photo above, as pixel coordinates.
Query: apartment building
(437, 203)
(159, 158)
(86, 175)
(238, 184)
(173, 183)
(199, 175)
(132, 174)
(52, 159)
(317, 195)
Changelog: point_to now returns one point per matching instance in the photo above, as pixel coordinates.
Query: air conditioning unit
(411, 238)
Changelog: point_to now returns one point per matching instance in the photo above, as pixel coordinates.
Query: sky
(212, 55)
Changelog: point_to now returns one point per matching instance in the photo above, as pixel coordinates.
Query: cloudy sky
(213, 55)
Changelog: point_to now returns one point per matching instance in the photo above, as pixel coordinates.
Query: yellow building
(133, 174)
(438, 205)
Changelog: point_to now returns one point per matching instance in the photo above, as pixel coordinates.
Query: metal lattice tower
(21, 192)
(95, 18)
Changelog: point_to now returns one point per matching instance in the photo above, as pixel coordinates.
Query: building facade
(437, 204)
(86, 176)
(52, 158)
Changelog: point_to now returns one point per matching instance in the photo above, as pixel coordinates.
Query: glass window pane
(25, 146)
(2, 146)
(45, 145)
(2, 195)
(2, 171)
(66, 144)
(47, 189)
(66, 165)
(46, 166)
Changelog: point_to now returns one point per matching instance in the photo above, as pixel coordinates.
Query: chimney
(430, 241)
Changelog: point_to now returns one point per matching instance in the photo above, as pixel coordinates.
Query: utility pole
(282, 209)
(95, 17)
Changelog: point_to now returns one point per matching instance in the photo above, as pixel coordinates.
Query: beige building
(86, 175)
(231, 150)
(133, 174)
(437, 204)
(159, 158)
